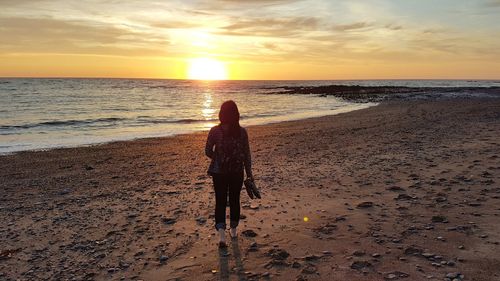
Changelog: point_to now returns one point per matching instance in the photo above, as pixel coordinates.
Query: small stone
(358, 253)
(296, 264)
(65, 191)
(440, 199)
(395, 188)
(300, 278)
(412, 250)
(278, 254)
(360, 265)
(366, 204)
(309, 269)
(441, 219)
(168, 220)
(403, 196)
(132, 215)
(253, 247)
(392, 276)
(428, 255)
(396, 275)
(201, 220)
(163, 258)
(249, 233)
(312, 257)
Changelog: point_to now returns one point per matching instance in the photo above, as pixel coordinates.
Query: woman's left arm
(248, 158)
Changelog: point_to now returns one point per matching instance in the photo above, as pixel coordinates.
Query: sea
(46, 113)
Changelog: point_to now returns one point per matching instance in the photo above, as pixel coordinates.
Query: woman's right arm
(209, 146)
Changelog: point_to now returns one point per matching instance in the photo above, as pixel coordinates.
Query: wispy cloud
(352, 26)
(47, 35)
(282, 27)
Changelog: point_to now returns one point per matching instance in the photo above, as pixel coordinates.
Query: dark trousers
(225, 184)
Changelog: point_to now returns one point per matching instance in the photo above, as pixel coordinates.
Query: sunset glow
(265, 39)
(206, 69)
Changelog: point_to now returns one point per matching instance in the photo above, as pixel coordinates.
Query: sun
(206, 69)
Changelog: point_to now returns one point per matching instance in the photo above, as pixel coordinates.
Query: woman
(227, 146)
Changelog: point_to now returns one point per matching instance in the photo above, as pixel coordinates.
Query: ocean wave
(60, 123)
(143, 120)
(175, 121)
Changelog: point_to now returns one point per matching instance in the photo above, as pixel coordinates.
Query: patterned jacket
(228, 154)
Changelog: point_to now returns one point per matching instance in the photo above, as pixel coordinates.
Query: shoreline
(403, 190)
(357, 106)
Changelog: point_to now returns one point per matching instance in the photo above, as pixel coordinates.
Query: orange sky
(256, 39)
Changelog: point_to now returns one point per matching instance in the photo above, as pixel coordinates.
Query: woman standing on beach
(227, 146)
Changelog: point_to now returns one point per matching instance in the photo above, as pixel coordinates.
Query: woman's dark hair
(230, 116)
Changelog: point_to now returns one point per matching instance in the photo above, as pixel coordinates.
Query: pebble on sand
(249, 233)
(441, 219)
(366, 204)
(358, 265)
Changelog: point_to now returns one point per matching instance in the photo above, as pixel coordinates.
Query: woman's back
(228, 150)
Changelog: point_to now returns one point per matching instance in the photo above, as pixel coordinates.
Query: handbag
(252, 189)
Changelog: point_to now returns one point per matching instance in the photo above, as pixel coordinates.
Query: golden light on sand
(206, 69)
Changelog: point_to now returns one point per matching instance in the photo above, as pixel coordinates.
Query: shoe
(222, 245)
(233, 233)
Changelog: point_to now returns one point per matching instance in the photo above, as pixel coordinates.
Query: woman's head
(230, 116)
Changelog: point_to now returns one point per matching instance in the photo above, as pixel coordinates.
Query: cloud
(274, 27)
(352, 26)
(493, 3)
(393, 27)
(20, 2)
(18, 34)
(257, 1)
(174, 24)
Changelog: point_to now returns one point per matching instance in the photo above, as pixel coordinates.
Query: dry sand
(427, 173)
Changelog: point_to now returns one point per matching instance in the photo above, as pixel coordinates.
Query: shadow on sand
(224, 257)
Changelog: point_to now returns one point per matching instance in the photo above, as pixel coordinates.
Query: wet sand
(401, 191)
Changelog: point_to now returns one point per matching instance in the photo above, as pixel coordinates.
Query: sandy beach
(407, 190)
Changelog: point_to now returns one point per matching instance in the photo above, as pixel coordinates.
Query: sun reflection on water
(208, 111)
